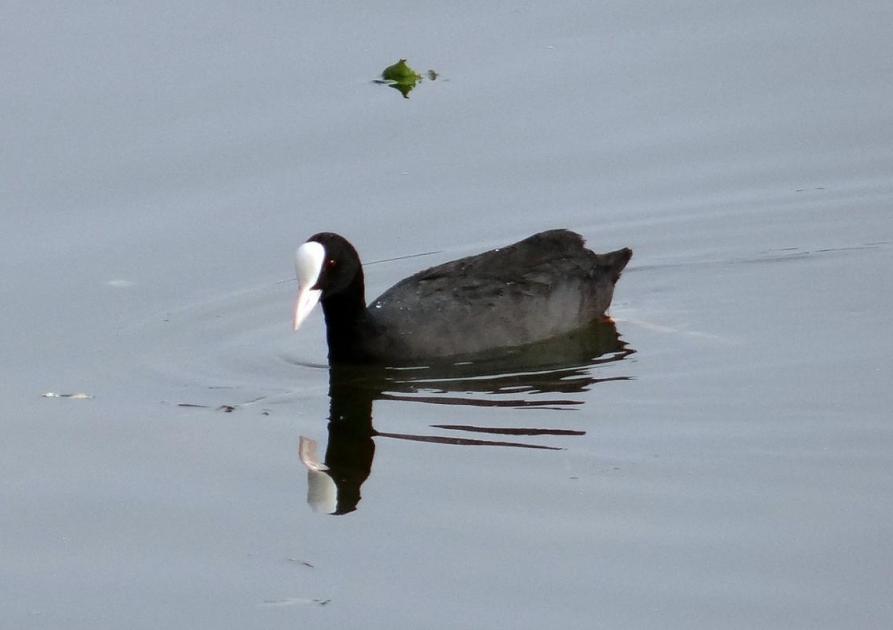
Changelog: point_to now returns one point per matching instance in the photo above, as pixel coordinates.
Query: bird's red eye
(330, 263)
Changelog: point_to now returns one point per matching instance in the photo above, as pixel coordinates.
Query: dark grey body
(544, 286)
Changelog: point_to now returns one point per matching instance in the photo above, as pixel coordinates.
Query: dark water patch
(457, 441)
(522, 378)
(507, 431)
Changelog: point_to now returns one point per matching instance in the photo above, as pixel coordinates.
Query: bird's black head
(340, 263)
(329, 270)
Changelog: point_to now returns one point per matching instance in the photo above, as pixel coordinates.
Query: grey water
(721, 455)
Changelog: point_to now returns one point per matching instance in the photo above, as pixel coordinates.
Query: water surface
(162, 163)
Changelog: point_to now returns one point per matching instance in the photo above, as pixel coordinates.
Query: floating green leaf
(400, 72)
(403, 78)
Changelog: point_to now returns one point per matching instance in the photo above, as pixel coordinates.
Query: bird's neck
(345, 314)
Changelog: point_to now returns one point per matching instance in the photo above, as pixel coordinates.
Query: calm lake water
(719, 457)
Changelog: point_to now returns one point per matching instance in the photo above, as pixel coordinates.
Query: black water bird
(542, 287)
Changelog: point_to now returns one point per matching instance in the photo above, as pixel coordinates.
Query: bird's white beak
(308, 265)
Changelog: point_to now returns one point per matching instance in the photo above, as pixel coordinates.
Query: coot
(545, 286)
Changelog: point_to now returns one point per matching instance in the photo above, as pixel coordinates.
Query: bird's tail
(615, 261)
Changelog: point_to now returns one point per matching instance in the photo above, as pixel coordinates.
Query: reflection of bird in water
(523, 377)
(543, 287)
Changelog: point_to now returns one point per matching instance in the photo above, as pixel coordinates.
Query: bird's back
(544, 286)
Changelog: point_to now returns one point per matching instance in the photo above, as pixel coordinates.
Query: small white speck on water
(120, 284)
